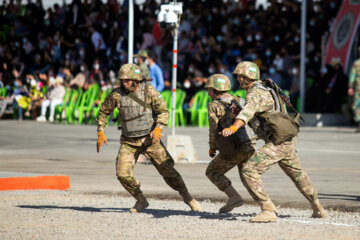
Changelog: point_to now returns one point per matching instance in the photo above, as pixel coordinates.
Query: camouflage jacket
(218, 117)
(154, 99)
(258, 101)
(354, 80)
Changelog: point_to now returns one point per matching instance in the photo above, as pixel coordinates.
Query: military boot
(140, 204)
(234, 200)
(318, 210)
(189, 200)
(268, 213)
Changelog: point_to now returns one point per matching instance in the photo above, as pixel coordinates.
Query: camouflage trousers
(356, 107)
(221, 164)
(269, 154)
(160, 158)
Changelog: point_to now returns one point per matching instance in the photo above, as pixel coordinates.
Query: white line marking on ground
(319, 223)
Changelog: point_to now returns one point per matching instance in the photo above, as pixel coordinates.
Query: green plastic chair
(43, 90)
(60, 108)
(240, 93)
(95, 109)
(3, 91)
(203, 112)
(179, 113)
(166, 95)
(73, 105)
(84, 109)
(83, 106)
(193, 110)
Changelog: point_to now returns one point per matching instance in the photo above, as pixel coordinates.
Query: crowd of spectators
(85, 42)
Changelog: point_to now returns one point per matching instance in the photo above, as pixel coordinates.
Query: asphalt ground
(330, 155)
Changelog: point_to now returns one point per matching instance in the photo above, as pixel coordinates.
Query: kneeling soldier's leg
(125, 170)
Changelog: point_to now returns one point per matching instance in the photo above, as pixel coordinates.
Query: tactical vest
(277, 126)
(135, 114)
(244, 135)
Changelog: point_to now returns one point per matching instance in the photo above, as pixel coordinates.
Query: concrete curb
(57, 182)
(324, 119)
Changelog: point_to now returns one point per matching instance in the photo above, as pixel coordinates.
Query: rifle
(270, 83)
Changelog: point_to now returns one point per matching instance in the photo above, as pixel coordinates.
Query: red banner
(343, 33)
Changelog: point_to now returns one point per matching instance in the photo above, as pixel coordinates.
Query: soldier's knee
(166, 167)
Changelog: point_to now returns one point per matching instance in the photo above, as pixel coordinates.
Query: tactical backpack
(283, 126)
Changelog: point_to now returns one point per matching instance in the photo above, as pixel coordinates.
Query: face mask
(222, 70)
(82, 68)
(257, 37)
(187, 84)
(197, 83)
(332, 5)
(268, 53)
(277, 38)
(236, 21)
(312, 23)
(296, 39)
(16, 84)
(146, 62)
(211, 71)
(272, 71)
(136, 61)
(77, 41)
(294, 71)
(191, 69)
(248, 38)
(33, 82)
(219, 38)
(324, 70)
(96, 66)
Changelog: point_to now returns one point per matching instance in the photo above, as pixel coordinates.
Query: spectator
(155, 72)
(54, 97)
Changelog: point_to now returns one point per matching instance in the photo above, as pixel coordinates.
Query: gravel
(78, 215)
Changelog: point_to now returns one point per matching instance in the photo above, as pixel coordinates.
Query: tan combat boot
(234, 200)
(140, 204)
(319, 211)
(268, 213)
(189, 200)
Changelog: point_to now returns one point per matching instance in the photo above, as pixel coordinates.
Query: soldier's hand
(228, 131)
(212, 153)
(156, 135)
(101, 140)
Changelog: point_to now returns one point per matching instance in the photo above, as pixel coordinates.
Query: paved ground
(331, 156)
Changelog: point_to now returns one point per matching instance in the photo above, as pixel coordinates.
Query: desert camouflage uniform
(131, 147)
(354, 82)
(258, 101)
(222, 163)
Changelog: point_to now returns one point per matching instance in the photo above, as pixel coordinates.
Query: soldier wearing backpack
(234, 150)
(278, 131)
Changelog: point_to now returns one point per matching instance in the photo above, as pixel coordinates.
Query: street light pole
(174, 78)
(131, 32)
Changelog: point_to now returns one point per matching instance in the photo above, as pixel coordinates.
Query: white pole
(174, 72)
(131, 32)
(303, 55)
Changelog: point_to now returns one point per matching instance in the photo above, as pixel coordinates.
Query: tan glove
(101, 140)
(212, 153)
(156, 135)
(229, 131)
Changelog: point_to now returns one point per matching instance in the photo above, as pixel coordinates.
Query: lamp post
(169, 18)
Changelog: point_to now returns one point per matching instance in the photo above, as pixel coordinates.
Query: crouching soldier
(143, 114)
(233, 151)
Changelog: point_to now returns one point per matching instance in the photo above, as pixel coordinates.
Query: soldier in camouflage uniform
(220, 113)
(259, 100)
(143, 114)
(141, 56)
(354, 90)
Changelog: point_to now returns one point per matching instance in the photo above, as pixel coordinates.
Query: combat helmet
(130, 71)
(218, 82)
(248, 69)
